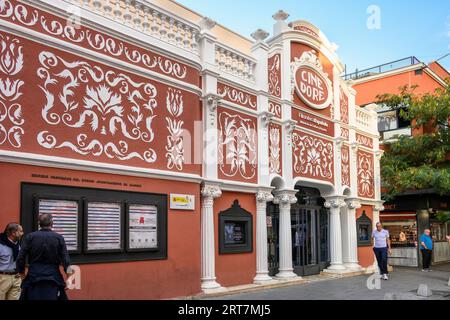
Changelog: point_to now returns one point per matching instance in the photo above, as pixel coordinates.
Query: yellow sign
(182, 202)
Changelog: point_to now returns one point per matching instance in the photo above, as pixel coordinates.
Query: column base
(353, 266)
(210, 284)
(263, 278)
(336, 268)
(286, 274)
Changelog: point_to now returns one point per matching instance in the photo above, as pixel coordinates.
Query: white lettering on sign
(312, 87)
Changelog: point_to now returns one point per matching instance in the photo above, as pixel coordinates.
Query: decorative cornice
(289, 126)
(212, 101)
(266, 118)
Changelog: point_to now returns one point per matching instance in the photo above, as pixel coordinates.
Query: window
(235, 230)
(402, 233)
(100, 225)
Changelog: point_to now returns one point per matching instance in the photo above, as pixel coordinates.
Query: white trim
(83, 165)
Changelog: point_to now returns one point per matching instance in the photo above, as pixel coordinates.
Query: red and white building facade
(150, 98)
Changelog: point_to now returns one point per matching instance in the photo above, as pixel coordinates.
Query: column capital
(378, 206)
(334, 202)
(353, 203)
(210, 191)
(285, 197)
(263, 196)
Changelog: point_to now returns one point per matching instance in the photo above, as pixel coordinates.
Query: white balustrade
(366, 120)
(143, 16)
(235, 63)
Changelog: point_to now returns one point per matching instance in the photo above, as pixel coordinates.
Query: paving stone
(403, 284)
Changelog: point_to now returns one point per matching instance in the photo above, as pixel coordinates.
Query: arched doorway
(309, 234)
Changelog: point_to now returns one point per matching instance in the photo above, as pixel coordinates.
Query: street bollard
(424, 291)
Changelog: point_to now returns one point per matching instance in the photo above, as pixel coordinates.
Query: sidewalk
(403, 283)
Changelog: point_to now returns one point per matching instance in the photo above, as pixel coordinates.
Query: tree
(422, 161)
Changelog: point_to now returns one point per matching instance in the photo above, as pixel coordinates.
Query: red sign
(312, 87)
(313, 122)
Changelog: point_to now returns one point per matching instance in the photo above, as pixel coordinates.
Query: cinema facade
(177, 156)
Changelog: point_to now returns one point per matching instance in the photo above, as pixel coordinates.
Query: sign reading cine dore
(177, 135)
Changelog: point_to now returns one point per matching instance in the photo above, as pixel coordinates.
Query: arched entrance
(309, 234)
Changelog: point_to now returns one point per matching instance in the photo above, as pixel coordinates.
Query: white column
(208, 279)
(262, 269)
(350, 243)
(285, 198)
(335, 204)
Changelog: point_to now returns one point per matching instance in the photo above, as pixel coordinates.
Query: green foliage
(443, 216)
(423, 161)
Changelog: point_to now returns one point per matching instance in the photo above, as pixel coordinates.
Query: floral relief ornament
(274, 150)
(111, 104)
(365, 175)
(237, 146)
(11, 65)
(345, 154)
(313, 156)
(274, 77)
(175, 147)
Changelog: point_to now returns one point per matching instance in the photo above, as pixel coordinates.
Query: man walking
(426, 248)
(381, 248)
(9, 250)
(46, 251)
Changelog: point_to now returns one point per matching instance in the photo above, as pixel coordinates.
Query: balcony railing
(366, 120)
(394, 65)
(232, 62)
(392, 134)
(143, 16)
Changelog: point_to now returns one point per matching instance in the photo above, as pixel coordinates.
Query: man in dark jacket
(46, 252)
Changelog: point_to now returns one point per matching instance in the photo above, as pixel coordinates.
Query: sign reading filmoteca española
(310, 82)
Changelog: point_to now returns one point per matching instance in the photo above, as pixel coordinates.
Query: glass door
(304, 227)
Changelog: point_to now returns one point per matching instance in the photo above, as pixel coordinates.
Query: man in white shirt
(381, 248)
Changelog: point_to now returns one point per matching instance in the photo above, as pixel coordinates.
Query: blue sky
(408, 27)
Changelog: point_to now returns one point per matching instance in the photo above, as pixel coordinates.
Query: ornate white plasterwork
(175, 142)
(11, 83)
(237, 146)
(101, 111)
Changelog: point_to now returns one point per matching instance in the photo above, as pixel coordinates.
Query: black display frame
(30, 192)
(127, 227)
(364, 221)
(236, 214)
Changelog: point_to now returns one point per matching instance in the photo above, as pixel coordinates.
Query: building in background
(407, 216)
(178, 156)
